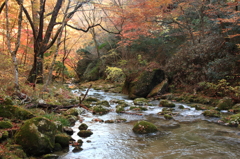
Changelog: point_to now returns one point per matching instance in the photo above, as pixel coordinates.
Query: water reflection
(188, 136)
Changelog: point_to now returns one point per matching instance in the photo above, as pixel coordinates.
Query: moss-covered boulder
(161, 88)
(73, 111)
(138, 108)
(72, 119)
(3, 135)
(168, 116)
(15, 112)
(12, 152)
(5, 124)
(85, 133)
(232, 120)
(62, 139)
(50, 156)
(225, 103)
(83, 126)
(37, 136)
(236, 108)
(100, 110)
(92, 71)
(211, 113)
(103, 103)
(166, 103)
(142, 85)
(144, 127)
(120, 108)
(140, 101)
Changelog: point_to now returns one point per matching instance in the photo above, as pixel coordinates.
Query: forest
(189, 48)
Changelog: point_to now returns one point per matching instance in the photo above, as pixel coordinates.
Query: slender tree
(13, 52)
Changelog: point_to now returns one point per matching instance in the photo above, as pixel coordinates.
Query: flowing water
(189, 136)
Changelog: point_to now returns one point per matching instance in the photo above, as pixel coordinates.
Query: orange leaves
(142, 18)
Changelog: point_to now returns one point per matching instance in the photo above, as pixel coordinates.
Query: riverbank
(209, 107)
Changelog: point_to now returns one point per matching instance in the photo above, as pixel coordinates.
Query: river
(189, 136)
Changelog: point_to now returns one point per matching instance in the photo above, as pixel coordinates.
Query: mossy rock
(181, 107)
(159, 89)
(57, 147)
(103, 103)
(73, 111)
(236, 108)
(120, 108)
(4, 135)
(138, 108)
(72, 119)
(203, 107)
(167, 111)
(225, 103)
(17, 150)
(91, 99)
(142, 85)
(100, 110)
(109, 121)
(83, 126)
(37, 136)
(85, 133)
(167, 116)
(211, 113)
(80, 142)
(140, 101)
(50, 156)
(62, 139)
(166, 103)
(232, 120)
(144, 127)
(5, 124)
(15, 112)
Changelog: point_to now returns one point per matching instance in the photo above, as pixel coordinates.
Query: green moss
(236, 108)
(211, 113)
(99, 110)
(103, 103)
(85, 133)
(181, 107)
(83, 126)
(37, 136)
(73, 111)
(57, 147)
(3, 135)
(50, 156)
(167, 116)
(144, 127)
(225, 103)
(140, 101)
(62, 139)
(232, 120)
(166, 103)
(5, 124)
(15, 112)
(120, 108)
(71, 119)
(138, 108)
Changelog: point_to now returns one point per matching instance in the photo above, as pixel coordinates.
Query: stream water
(189, 136)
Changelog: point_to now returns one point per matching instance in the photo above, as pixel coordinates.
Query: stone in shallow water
(85, 133)
(144, 127)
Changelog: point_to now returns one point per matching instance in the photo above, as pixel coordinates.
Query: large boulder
(143, 84)
(159, 89)
(37, 136)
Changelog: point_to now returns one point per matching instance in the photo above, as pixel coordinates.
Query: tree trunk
(36, 73)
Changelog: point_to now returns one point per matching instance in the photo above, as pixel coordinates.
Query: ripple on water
(187, 136)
